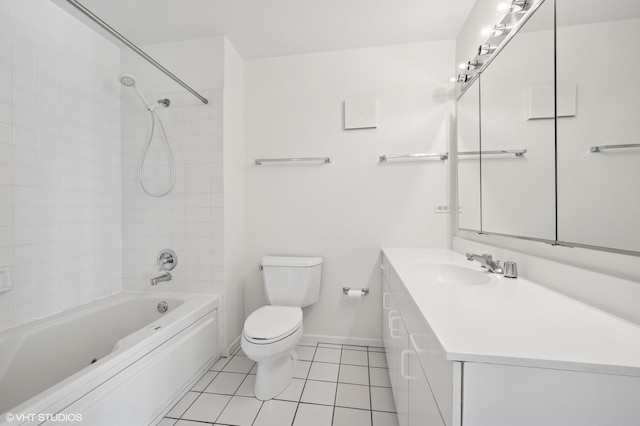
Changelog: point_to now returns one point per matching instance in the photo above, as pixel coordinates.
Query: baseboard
(340, 340)
(232, 348)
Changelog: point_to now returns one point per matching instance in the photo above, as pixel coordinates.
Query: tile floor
(337, 385)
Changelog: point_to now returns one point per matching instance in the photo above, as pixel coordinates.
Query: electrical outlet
(441, 208)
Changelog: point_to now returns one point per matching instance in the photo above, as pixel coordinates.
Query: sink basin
(450, 274)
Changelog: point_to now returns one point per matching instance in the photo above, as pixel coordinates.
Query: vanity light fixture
(514, 6)
(486, 49)
(518, 6)
(463, 78)
(474, 65)
(499, 30)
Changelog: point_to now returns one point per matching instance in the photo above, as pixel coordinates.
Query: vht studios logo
(43, 417)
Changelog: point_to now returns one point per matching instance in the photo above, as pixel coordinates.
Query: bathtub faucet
(161, 278)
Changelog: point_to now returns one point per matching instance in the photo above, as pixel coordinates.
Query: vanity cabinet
(493, 376)
(406, 340)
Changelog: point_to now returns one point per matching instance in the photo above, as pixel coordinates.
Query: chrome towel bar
(603, 147)
(260, 161)
(517, 152)
(418, 155)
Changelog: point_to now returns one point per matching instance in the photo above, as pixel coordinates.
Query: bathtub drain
(163, 307)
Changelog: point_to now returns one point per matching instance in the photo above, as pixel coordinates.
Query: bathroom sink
(446, 273)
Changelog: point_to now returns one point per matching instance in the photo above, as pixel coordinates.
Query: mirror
(598, 196)
(468, 113)
(517, 110)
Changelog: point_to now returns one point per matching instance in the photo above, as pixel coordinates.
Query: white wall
(345, 211)
(233, 177)
(60, 190)
(190, 219)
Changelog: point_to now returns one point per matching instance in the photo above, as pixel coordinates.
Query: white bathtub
(144, 360)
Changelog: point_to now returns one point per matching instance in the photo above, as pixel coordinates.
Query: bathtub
(118, 360)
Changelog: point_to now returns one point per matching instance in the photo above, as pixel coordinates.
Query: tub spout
(161, 278)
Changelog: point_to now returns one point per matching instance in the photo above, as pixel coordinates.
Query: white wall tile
(59, 204)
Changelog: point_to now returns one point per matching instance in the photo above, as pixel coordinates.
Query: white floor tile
(305, 353)
(239, 364)
(302, 369)
(247, 386)
(354, 357)
(293, 392)
(204, 381)
(379, 377)
(166, 422)
(350, 417)
(353, 396)
(240, 411)
(276, 413)
(327, 355)
(329, 345)
(375, 349)
(181, 406)
(354, 348)
(382, 399)
(313, 415)
(324, 371)
(225, 383)
(207, 407)
(319, 392)
(190, 423)
(385, 419)
(377, 359)
(354, 374)
(219, 365)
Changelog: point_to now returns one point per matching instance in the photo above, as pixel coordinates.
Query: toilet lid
(272, 322)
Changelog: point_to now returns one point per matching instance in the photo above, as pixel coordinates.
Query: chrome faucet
(161, 278)
(486, 260)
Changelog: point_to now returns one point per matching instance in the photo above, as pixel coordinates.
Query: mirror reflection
(517, 110)
(469, 165)
(598, 195)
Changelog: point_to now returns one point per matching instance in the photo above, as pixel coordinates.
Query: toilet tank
(291, 281)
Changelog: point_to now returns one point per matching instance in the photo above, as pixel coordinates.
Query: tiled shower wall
(60, 186)
(189, 219)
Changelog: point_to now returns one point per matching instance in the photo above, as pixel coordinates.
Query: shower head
(127, 80)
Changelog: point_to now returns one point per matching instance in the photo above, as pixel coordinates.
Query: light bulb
(486, 31)
(462, 65)
(503, 7)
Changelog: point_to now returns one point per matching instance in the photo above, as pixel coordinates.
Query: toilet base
(273, 377)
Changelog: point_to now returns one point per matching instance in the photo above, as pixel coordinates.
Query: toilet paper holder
(345, 290)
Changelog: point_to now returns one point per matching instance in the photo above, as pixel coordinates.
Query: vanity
(466, 347)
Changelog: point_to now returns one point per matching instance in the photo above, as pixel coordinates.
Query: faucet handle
(510, 269)
(487, 256)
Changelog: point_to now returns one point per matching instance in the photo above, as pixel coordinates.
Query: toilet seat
(269, 324)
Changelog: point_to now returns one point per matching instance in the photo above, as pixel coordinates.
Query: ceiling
(266, 28)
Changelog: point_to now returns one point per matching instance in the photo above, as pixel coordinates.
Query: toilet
(272, 332)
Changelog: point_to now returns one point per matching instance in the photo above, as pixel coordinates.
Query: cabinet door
(396, 342)
(423, 410)
(507, 395)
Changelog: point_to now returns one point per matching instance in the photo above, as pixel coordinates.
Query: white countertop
(515, 321)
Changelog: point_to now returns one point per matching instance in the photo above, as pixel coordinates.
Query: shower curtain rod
(133, 47)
